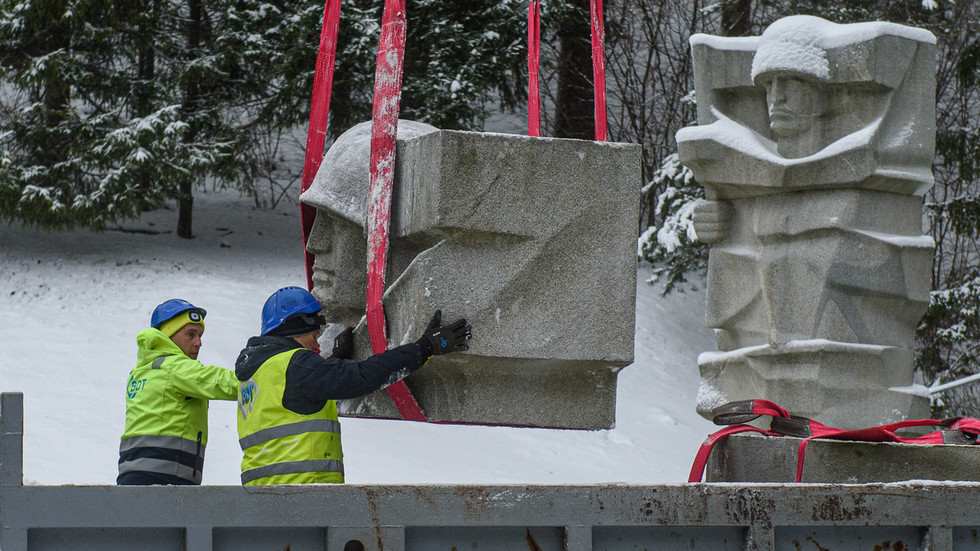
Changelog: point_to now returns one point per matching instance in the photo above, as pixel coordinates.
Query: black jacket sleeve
(312, 380)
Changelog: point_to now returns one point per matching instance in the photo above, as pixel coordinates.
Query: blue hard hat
(284, 303)
(168, 309)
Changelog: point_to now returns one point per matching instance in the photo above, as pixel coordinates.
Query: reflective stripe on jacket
(279, 445)
(167, 409)
(169, 455)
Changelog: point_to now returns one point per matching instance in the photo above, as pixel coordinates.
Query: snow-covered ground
(72, 303)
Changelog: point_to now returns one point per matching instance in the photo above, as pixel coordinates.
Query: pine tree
(655, 90)
(673, 247)
(463, 60)
(118, 107)
(125, 119)
(948, 338)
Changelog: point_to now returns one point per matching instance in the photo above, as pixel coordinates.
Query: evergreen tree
(127, 118)
(653, 83)
(673, 247)
(117, 107)
(463, 60)
(948, 339)
(650, 76)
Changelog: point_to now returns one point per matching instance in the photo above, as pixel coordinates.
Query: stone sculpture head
(794, 70)
(338, 239)
(795, 105)
(339, 278)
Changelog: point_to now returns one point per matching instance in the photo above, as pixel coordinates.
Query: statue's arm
(712, 220)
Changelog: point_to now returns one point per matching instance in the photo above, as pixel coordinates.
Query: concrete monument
(814, 145)
(530, 239)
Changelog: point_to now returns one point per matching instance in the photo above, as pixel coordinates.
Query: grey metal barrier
(904, 516)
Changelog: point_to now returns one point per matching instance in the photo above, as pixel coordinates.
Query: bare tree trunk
(55, 92)
(736, 17)
(575, 105)
(192, 92)
(185, 209)
(146, 64)
(146, 75)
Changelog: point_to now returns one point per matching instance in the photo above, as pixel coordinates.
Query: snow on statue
(814, 145)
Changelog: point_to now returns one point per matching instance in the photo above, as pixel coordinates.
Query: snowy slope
(72, 303)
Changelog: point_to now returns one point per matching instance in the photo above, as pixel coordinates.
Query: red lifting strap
(391, 52)
(954, 431)
(319, 111)
(533, 56)
(598, 68)
(701, 459)
(734, 414)
(384, 130)
(744, 411)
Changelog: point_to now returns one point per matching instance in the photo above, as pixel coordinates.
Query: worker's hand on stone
(343, 344)
(441, 339)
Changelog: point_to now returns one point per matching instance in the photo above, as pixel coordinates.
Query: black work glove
(343, 344)
(441, 339)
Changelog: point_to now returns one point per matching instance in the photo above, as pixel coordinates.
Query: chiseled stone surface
(530, 239)
(814, 145)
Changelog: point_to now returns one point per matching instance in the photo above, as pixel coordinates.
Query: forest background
(109, 109)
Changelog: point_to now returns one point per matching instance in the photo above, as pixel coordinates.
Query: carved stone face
(796, 108)
(339, 272)
(793, 103)
(339, 192)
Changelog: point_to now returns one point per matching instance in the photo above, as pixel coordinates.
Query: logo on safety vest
(247, 391)
(134, 386)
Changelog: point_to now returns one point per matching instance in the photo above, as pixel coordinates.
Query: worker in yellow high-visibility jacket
(167, 400)
(287, 414)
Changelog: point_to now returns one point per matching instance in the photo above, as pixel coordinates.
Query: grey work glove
(343, 344)
(441, 339)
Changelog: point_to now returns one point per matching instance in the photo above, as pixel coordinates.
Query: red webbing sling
(384, 130)
(385, 116)
(958, 431)
(734, 414)
(533, 63)
(319, 111)
(598, 68)
(953, 432)
(701, 458)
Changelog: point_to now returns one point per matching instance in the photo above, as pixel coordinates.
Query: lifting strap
(385, 119)
(533, 57)
(384, 130)
(598, 68)
(319, 111)
(953, 431)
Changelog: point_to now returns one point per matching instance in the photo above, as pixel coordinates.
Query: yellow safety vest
(281, 446)
(167, 409)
